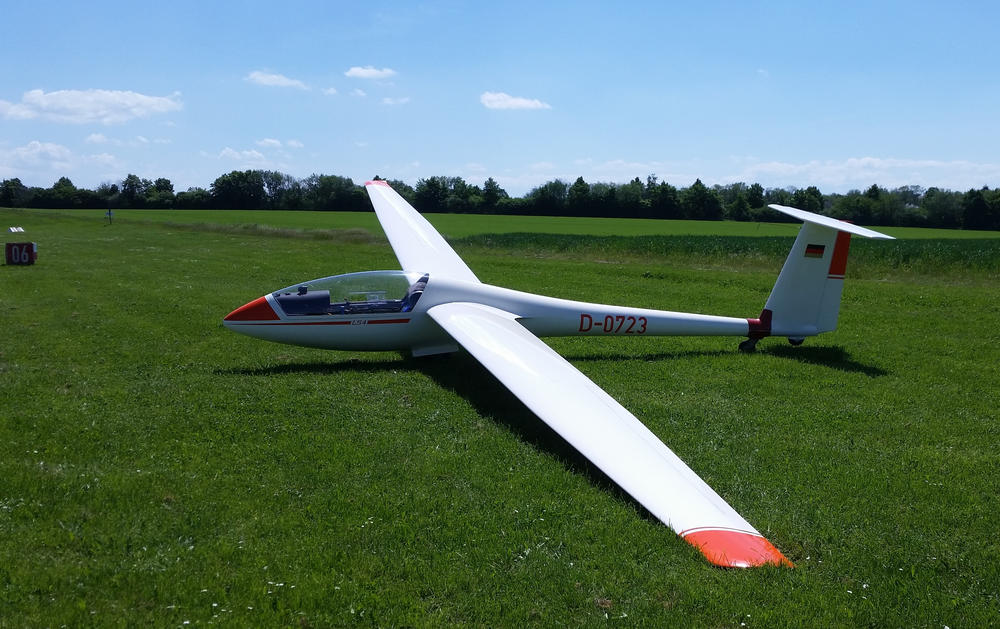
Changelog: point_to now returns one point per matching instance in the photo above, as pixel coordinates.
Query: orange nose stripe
(256, 310)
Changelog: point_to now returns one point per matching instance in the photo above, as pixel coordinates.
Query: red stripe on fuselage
(365, 322)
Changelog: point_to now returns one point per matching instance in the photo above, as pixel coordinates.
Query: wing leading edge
(607, 434)
(417, 245)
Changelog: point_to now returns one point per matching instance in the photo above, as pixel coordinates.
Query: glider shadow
(834, 357)
(464, 376)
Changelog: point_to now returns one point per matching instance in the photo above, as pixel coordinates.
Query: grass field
(462, 225)
(159, 470)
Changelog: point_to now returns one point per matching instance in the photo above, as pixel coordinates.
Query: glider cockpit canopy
(369, 292)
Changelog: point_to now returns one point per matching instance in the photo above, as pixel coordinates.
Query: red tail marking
(838, 265)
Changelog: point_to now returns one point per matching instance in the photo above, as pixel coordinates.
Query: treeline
(908, 206)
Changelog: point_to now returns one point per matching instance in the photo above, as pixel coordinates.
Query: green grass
(158, 469)
(462, 225)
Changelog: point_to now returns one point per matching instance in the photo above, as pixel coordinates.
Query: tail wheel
(795, 342)
(748, 346)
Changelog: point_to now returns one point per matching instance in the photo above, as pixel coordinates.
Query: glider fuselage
(415, 331)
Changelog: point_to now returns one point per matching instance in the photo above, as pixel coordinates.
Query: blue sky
(785, 93)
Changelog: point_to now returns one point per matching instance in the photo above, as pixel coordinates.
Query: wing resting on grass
(606, 433)
(417, 245)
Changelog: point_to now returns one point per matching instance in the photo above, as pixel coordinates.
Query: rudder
(805, 301)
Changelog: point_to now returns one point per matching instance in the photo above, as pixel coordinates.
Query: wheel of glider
(795, 342)
(748, 346)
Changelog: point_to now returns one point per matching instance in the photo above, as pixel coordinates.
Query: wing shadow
(464, 376)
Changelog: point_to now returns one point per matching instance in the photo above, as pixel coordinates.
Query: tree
(631, 201)
(809, 199)
(493, 194)
(133, 190)
(701, 203)
(578, 198)
(549, 199)
(943, 208)
(240, 190)
(755, 196)
(330, 192)
(431, 194)
(160, 194)
(665, 202)
(981, 210)
(11, 192)
(193, 199)
(739, 210)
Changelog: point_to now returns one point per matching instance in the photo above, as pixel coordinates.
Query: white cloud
(142, 139)
(274, 80)
(163, 141)
(361, 144)
(395, 101)
(295, 144)
(474, 167)
(543, 166)
(88, 106)
(499, 100)
(242, 156)
(96, 138)
(368, 72)
(268, 142)
(357, 92)
(44, 158)
(861, 172)
(764, 73)
(36, 153)
(330, 91)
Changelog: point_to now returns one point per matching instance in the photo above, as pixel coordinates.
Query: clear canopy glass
(367, 292)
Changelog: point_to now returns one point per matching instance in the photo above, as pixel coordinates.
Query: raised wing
(417, 245)
(608, 435)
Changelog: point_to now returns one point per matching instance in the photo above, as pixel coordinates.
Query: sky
(839, 95)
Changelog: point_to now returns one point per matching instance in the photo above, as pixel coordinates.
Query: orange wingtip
(378, 182)
(256, 310)
(735, 549)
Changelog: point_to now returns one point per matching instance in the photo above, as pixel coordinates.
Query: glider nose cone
(256, 310)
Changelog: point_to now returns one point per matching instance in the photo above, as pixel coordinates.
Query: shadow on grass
(649, 358)
(322, 367)
(464, 376)
(832, 357)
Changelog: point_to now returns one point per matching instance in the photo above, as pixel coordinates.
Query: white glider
(436, 304)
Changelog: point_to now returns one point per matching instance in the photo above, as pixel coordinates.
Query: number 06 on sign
(22, 253)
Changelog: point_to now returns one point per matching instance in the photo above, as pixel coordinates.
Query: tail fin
(805, 300)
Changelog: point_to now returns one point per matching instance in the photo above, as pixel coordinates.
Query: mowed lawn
(159, 470)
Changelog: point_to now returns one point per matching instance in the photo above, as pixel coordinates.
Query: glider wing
(606, 433)
(417, 245)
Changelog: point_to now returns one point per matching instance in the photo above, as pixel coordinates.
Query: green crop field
(158, 470)
(462, 225)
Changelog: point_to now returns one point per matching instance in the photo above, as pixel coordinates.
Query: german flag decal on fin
(815, 251)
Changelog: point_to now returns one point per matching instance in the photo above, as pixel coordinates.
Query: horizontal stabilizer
(826, 221)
